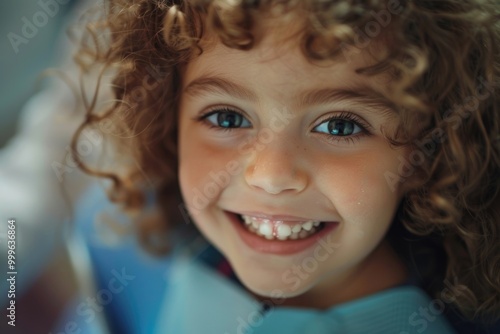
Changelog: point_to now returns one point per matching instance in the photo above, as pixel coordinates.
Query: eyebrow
(217, 85)
(360, 96)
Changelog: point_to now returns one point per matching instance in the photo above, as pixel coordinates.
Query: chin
(272, 285)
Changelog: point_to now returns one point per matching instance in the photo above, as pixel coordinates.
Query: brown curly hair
(444, 57)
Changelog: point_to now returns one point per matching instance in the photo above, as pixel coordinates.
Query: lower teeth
(297, 235)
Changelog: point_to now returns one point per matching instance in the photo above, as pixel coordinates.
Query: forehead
(278, 44)
(278, 64)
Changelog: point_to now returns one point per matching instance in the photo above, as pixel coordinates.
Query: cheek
(199, 164)
(358, 189)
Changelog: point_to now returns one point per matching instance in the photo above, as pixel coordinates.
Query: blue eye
(339, 127)
(226, 119)
(344, 128)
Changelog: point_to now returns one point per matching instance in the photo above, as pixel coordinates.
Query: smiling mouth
(280, 230)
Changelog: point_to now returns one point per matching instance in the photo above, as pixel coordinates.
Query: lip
(278, 247)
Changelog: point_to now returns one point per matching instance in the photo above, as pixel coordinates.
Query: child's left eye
(225, 119)
(338, 127)
(344, 126)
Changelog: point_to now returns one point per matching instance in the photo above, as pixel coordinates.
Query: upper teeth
(271, 228)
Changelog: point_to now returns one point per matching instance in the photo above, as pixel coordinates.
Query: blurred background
(34, 38)
(28, 46)
(79, 266)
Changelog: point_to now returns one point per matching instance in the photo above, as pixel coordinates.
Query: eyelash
(347, 116)
(203, 118)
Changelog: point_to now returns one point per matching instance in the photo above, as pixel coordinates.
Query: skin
(297, 169)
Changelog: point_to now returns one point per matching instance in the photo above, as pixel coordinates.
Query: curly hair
(444, 57)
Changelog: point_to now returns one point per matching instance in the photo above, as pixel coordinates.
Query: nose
(275, 169)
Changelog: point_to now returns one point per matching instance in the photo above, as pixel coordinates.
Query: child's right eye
(225, 119)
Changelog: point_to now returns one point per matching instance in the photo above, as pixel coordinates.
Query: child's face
(284, 157)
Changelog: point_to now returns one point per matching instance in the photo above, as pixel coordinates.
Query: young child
(342, 156)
